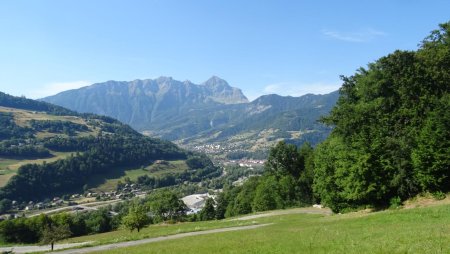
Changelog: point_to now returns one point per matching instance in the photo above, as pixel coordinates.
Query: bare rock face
(142, 103)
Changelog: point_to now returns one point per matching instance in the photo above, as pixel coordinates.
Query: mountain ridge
(212, 111)
(161, 96)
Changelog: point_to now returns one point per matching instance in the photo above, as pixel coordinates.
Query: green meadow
(164, 229)
(9, 166)
(417, 230)
(108, 181)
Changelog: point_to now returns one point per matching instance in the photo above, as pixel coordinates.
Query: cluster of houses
(210, 148)
(127, 191)
(31, 205)
(55, 202)
(223, 148)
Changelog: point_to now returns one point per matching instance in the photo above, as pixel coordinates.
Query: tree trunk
(138, 229)
(52, 243)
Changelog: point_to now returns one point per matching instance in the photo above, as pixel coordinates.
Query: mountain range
(213, 116)
(146, 103)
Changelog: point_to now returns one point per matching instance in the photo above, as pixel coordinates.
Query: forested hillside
(391, 136)
(93, 145)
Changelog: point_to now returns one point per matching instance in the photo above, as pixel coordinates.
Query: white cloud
(298, 88)
(54, 88)
(365, 35)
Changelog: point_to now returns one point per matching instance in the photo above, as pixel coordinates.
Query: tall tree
(431, 157)
(208, 212)
(283, 159)
(306, 178)
(53, 233)
(267, 195)
(165, 205)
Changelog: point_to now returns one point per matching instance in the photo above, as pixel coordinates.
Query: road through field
(156, 239)
(37, 248)
(27, 249)
(307, 210)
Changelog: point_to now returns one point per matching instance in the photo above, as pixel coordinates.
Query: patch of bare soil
(425, 200)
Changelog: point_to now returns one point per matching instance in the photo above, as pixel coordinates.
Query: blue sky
(284, 47)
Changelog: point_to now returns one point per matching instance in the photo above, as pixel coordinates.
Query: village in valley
(92, 200)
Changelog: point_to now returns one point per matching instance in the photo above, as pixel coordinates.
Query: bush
(395, 202)
(438, 195)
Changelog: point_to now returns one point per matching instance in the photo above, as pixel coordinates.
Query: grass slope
(124, 235)
(108, 181)
(9, 166)
(22, 117)
(418, 230)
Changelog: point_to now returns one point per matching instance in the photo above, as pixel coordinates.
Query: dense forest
(103, 153)
(391, 136)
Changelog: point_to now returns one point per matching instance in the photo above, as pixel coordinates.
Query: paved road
(156, 239)
(85, 206)
(308, 210)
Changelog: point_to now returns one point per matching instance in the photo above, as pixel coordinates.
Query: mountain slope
(249, 130)
(57, 150)
(213, 113)
(143, 103)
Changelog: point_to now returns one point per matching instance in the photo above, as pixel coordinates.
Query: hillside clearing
(8, 167)
(108, 181)
(22, 116)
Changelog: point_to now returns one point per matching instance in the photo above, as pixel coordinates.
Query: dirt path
(26, 249)
(309, 210)
(36, 248)
(132, 243)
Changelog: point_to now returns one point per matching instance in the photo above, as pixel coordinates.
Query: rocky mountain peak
(222, 92)
(215, 81)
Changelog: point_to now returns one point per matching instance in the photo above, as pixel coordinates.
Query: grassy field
(108, 181)
(8, 167)
(22, 117)
(155, 231)
(418, 230)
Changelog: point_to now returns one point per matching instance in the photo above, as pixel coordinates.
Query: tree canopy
(136, 218)
(390, 136)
